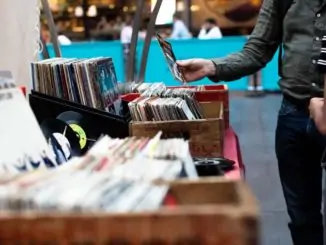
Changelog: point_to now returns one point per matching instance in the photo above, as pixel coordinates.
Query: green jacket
(303, 27)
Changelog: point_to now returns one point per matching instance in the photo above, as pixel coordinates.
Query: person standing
(126, 30)
(125, 38)
(118, 25)
(180, 30)
(210, 30)
(298, 152)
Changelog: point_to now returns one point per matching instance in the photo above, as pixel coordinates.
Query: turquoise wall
(157, 69)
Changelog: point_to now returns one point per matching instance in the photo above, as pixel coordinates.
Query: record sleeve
(170, 58)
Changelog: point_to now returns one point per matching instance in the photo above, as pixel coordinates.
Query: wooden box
(210, 212)
(205, 135)
(210, 93)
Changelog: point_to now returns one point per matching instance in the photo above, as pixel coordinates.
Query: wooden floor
(254, 120)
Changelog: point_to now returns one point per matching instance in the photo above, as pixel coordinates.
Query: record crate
(97, 122)
(210, 211)
(211, 93)
(205, 136)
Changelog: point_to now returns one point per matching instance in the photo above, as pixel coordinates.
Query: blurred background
(78, 19)
(196, 28)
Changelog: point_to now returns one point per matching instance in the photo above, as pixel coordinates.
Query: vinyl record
(64, 135)
(79, 124)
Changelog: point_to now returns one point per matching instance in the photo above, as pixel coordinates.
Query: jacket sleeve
(259, 49)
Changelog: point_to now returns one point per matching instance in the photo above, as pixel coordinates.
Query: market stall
(93, 165)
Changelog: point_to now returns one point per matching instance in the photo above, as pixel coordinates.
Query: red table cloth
(232, 151)
(23, 89)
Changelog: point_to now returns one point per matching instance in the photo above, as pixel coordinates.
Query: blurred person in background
(45, 34)
(179, 30)
(102, 24)
(255, 87)
(125, 38)
(104, 29)
(63, 39)
(118, 25)
(299, 30)
(210, 30)
(143, 29)
(126, 31)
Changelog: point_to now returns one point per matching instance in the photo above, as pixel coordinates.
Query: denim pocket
(313, 132)
(287, 108)
(311, 128)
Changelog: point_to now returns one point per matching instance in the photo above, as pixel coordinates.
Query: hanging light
(180, 6)
(92, 11)
(194, 8)
(79, 12)
(54, 5)
(125, 9)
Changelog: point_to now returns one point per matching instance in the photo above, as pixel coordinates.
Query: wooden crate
(212, 93)
(210, 212)
(218, 92)
(205, 135)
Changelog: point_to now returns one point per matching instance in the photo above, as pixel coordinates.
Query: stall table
(232, 151)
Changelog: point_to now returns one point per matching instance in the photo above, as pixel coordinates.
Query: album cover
(167, 50)
(22, 144)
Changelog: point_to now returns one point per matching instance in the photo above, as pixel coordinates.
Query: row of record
(90, 82)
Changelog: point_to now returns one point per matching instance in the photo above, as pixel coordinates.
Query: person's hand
(316, 108)
(196, 69)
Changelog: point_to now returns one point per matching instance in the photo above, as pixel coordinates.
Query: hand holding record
(197, 69)
(175, 69)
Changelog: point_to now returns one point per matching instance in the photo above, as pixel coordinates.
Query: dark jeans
(299, 150)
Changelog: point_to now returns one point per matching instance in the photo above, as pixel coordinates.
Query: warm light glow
(165, 15)
(54, 5)
(92, 11)
(78, 29)
(194, 8)
(256, 2)
(180, 6)
(79, 12)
